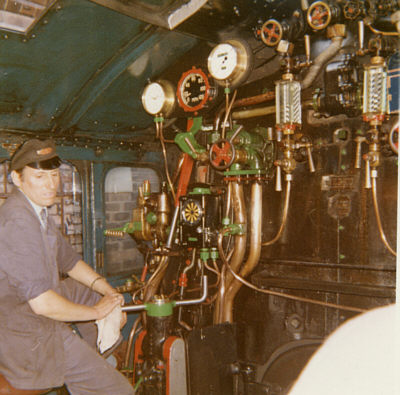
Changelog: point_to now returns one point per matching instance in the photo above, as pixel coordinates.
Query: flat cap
(39, 154)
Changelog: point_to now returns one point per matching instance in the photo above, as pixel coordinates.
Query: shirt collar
(36, 207)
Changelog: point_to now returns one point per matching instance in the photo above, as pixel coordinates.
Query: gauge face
(223, 61)
(193, 90)
(230, 62)
(191, 212)
(153, 98)
(158, 98)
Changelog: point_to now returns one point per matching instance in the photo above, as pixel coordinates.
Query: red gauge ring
(222, 154)
(193, 90)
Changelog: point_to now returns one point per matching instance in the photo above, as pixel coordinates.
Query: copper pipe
(284, 216)
(227, 112)
(152, 284)
(240, 217)
(178, 168)
(378, 218)
(376, 31)
(130, 342)
(254, 112)
(247, 101)
(228, 200)
(254, 253)
(293, 297)
(159, 126)
(219, 305)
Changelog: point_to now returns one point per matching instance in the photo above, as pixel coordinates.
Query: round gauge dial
(193, 90)
(222, 61)
(158, 98)
(191, 212)
(230, 61)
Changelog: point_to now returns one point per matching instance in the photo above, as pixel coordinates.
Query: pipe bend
(254, 253)
(321, 59)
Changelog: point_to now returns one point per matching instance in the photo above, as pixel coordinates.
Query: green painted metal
(182, 139)
(162, 309)
(235, 229)
(204, 254)
(151, 218)
(200, 191)
(214, 254)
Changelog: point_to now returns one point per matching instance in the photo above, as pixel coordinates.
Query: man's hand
(107, 304)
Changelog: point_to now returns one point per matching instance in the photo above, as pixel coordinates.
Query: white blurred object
(109, 329)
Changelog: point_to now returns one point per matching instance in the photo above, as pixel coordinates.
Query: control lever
(167, 303)
(359, 140)
(310, 158)
(367, 171)
(278, 183)
(308, 147)
(361, 50)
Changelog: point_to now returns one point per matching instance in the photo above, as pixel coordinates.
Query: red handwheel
(222, 154)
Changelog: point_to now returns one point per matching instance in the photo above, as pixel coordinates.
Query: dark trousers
(87, 372)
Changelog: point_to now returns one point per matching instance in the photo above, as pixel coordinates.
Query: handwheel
(319, 15)
(222, 154)
(271, 32)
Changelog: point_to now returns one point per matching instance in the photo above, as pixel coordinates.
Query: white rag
(109, 329)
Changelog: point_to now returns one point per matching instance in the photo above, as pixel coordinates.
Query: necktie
(43, 217)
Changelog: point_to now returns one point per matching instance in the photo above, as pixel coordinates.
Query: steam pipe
(240, 217)
(320, 60)
(203, 297)
(154, 281)
(185, 270)
(254, 253)
(130, 342)
(228, 111)
(284, 215)
(248, 101)
(378, 218)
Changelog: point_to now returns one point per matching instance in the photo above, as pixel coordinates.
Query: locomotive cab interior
(231, 167)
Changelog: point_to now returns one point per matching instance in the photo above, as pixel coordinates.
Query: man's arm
(83, 273)
(52, 305)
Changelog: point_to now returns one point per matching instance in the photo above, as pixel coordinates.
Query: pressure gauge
(159, 98)
(193, 90)
(191, 212)
(230, 61)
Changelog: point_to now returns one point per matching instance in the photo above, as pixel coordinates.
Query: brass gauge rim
(169, 98)
(243, 63)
